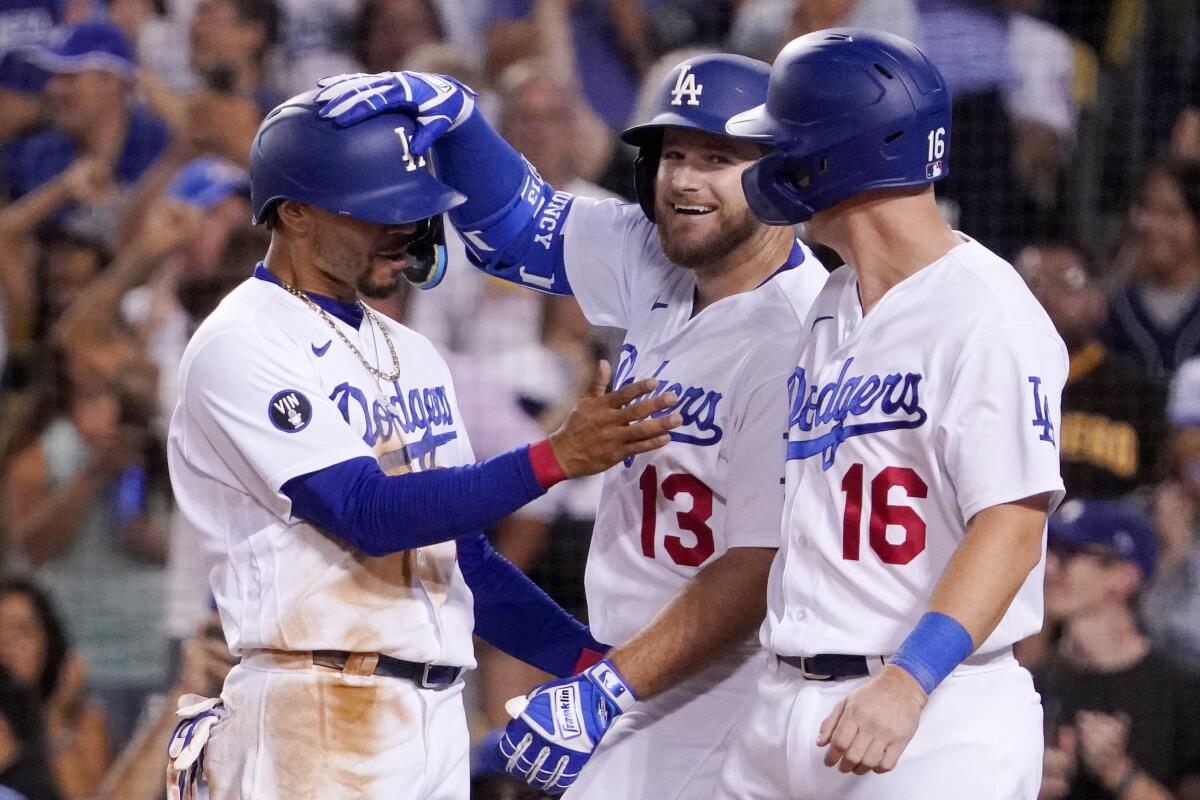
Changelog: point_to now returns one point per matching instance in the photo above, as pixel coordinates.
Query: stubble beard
(697, 254)
(348, 269)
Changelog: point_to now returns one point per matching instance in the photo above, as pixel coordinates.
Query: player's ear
(293, 217)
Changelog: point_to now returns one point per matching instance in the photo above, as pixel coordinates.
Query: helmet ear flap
(645, 172)
(427, 254)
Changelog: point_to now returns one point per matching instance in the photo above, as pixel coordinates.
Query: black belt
(427, 676)
(831, 666)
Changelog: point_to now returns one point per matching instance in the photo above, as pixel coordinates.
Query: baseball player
(922, 457)
(712, 302)
(317, 449)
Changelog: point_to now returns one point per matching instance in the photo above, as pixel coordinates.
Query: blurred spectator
(757, 24)
(465, 25)
(1014, 116)
(27, 24)
(1121, 715)
(79, 494)
(1172, 603)
(160, 39)
(610, 43)
(34, 651)
(1043, 107)
(25, 772)
(470, 312)
(1154, 320)
(230, 40)
(91, 110)
(138, 773)
(1112, 418)
(46, 261)
(229, 45)
(317, 38)
(390, 31)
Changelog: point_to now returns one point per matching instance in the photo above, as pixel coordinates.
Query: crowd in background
(124, 132)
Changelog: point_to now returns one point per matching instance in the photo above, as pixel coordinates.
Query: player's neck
(744, 268)
(886, 238)
(1106, 640)
(299, 272)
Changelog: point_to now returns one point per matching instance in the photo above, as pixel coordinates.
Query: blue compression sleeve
(513, 614)
(512, 220)
(380, 514)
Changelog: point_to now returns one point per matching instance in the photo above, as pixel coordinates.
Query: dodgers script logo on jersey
(697, 405)
(418, 410)
(896, 395)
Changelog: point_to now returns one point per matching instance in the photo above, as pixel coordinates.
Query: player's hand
(556, 728)
(869, 729)
(604, 429)
(437, 102)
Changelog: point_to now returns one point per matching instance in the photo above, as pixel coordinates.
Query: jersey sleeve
(999, 429)
(756, 455)
(259, 403)
(610, 252)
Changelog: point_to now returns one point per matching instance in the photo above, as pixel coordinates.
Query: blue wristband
(935, 647)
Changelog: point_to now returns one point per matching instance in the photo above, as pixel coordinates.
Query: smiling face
(1165, 232)
(698, 198)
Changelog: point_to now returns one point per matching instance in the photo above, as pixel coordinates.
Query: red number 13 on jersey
(883, 514)
(694, 520)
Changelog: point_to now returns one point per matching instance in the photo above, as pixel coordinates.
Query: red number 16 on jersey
(883, 514)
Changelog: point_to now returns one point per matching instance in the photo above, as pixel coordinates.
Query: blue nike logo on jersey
(818, 319)
(320, 351)
(845, 398)
(658, 305)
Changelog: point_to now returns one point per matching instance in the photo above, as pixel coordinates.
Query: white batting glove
(186, 748)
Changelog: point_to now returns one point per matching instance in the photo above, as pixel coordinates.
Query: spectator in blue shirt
(89, 102)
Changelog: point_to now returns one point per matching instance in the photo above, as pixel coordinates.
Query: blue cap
(93, 45)
(1107, 525)
(204, 182)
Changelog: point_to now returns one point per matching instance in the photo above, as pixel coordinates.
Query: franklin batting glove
(556, 728)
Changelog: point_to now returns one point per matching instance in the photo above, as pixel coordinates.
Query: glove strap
(612, 683)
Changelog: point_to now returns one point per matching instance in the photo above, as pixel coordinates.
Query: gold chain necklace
(371, 368)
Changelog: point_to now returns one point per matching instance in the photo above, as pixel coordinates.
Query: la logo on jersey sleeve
(1041, 412)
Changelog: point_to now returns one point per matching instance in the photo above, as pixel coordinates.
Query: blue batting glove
(437, 102)
(556, 728)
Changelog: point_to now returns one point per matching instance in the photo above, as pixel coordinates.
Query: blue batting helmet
(366, 172)
(847, 110)
(702, 93)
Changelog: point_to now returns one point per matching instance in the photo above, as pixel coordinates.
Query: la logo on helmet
(411, 162)
(685, 84)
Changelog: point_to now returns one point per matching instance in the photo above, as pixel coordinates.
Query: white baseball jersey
(939, 403)
(269, 392)
(664, 515)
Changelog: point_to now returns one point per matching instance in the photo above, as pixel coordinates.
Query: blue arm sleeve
(380, 514)
(513, 614)
(512, 220)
